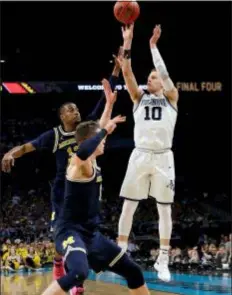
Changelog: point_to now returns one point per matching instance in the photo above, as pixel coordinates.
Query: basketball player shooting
(150, 170)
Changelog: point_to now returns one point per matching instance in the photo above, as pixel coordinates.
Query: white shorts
(149, 174)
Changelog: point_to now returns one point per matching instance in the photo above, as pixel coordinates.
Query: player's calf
(125, 222)
(165, 231)
(133, 275)
(54, 289)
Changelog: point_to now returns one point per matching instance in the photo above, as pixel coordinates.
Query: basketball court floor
(110, 284)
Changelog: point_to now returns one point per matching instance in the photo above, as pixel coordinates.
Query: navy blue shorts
(101, 252)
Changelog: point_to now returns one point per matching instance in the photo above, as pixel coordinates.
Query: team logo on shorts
(69, 241)
(171, 185)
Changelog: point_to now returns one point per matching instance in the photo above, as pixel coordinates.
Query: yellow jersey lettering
(71, 151)
(99, 178)
(67, 142)
(53, 216)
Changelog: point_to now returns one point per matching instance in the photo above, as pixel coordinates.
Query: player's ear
(61, 117)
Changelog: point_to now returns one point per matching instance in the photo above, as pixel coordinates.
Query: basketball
(126, 12)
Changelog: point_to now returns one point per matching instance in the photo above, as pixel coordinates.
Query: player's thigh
(163, 180)
(70, 245)
(137, 180)
(103, 253)
(67, 239)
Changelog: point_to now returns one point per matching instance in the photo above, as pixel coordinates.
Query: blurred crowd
(26, 240)
(17, 255)
(204, 256)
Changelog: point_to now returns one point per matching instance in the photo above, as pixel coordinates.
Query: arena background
(74, 43)
(54, 49)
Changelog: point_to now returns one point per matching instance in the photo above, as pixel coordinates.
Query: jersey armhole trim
(56, 140)
(138, 104)
(168, 101)
(84, 180)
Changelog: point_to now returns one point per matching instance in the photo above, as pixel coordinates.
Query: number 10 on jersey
(153, 113)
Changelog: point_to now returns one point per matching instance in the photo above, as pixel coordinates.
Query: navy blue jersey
(62, 144)
(81, 202)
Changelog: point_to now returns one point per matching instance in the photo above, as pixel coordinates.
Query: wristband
(127, 53)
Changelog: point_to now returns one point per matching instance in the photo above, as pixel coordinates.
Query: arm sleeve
(98, 110)
(45, 141)
(87, 147)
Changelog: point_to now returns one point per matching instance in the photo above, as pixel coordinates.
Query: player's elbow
(27, 148)
(82, 155)
(172, 94)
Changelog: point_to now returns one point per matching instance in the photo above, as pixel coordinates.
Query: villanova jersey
(81, 202)
(155, 120)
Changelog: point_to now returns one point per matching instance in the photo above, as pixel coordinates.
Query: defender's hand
(155, 37)
(7, 162)
(110, 96)
(119, 58)
(112, 124)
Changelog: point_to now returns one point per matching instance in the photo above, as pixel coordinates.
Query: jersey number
(154, 113)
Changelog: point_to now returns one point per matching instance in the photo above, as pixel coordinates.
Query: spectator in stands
(154, 253)
(228, 244)
(221, 256)
(133, 248)
(194, 259)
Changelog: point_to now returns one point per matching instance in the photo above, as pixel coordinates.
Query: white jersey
(155, 120)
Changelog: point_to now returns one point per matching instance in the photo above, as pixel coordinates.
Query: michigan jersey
(62, 144)
(81, 202)
(155, 120)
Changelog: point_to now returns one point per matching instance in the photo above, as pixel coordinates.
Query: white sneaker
(161, 266)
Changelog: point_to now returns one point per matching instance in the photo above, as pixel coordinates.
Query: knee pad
(73, 278)
(77, 270)
(130, 271)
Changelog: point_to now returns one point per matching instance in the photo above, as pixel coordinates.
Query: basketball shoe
(161, 266)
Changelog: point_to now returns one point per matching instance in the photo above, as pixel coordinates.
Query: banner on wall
(60, 87)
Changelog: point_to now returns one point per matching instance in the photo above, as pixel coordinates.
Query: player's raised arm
(45, 140)
(128, 75)
(110, 100)
(113, 80)
(91, 140)
(170, 90)
(88, 146)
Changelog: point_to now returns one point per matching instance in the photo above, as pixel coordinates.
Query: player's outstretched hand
(118, 59)
(127, 32)
(7, 162)
(156, 35)
(110, 96)
(112, 124)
